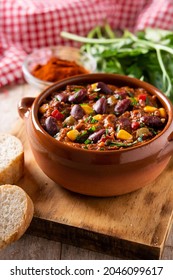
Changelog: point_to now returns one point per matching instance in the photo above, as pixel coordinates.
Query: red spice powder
(56, 69)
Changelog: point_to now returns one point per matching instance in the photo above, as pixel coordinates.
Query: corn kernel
(162, 112)
(124, 135)
(88, 109)
(112, 100)
(97, 117)
(94, 86)
(43, 108)
(72, 134)
(149, 109)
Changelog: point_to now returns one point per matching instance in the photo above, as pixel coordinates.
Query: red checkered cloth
(29, 24)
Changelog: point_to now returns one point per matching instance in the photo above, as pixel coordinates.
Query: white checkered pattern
(29, 24)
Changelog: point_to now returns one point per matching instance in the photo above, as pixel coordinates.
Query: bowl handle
(168, 148)
(170, 137)
(24, 106)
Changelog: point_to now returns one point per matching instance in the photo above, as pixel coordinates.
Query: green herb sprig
(146, 55)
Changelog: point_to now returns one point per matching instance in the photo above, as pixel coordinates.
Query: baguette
(16, 213)
(11, 159)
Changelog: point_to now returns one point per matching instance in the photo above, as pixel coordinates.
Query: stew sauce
(100, 116)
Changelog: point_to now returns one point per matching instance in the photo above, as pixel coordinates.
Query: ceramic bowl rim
(37, 102)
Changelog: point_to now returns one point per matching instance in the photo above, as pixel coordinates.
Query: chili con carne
(101, 116)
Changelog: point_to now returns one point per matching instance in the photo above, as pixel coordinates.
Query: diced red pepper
(142, 96)
(106, 137)
(135, 125)
(57, 115)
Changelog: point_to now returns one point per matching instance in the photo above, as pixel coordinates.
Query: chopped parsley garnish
(130, 94)
(90, 119)
(140, 138)
(133, 101)
(153, 131)
(107, 131)
(85, 147)
(118, 128)
(147, 101)
(142, 124)
(76, 90)
(82, 137)
(88, 141)
(91, 129)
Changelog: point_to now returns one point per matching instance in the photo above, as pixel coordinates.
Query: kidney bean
(95, 137)
(125, 124)
(62, 97)
(121, 95)
(135, 125)
(51, 125)
(152, 121)
(100, 106)
(122, 106)
(104, 88)
(78, 96)
(77, 112)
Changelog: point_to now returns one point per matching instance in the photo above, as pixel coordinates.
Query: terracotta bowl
(98, 173)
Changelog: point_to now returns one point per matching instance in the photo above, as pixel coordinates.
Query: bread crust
(23, 224)
(10, 173)
(14, 171)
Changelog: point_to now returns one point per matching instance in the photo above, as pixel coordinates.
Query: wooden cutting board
(133, 226)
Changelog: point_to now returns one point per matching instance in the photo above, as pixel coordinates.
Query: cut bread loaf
(11, 159)
(16, 213)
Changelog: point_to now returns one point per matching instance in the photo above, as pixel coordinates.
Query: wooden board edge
(92, 241)
(167, 235)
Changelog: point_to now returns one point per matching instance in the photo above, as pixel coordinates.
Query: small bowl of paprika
(45, 66)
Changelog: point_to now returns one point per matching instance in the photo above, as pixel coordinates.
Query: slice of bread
(11, 159)
(16, 213)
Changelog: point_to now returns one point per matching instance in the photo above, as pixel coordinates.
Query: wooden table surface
(32, 247)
